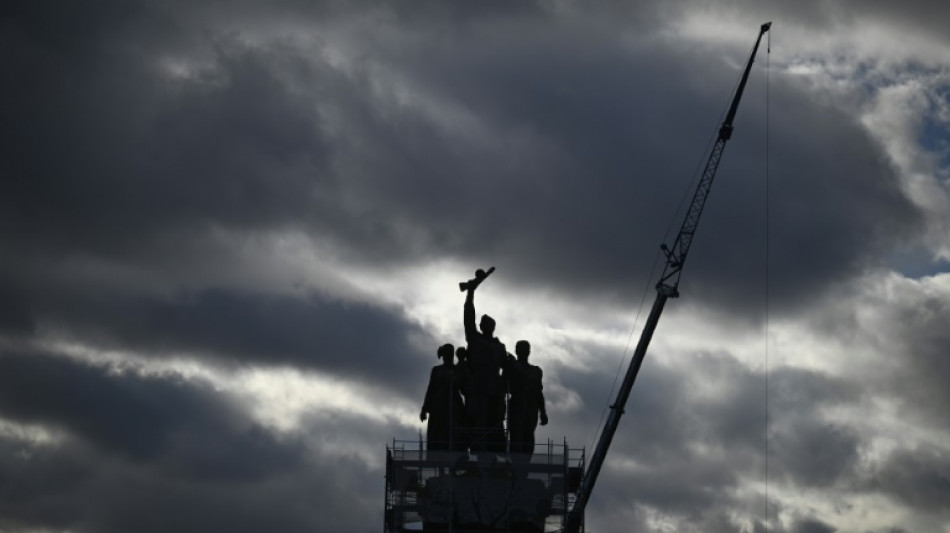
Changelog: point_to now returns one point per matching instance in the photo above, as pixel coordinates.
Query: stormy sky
(231, 235)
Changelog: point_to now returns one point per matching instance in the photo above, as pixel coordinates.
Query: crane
(667, 287)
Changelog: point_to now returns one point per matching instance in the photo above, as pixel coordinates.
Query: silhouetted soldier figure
(485, 403)
(443, 404)
(526, 403)
(462, 355)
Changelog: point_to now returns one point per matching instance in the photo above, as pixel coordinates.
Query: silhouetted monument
(468, 482)
(485, 400)
(526, 403)
(443, 404)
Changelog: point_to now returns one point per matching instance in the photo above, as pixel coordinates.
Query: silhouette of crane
(666, 288)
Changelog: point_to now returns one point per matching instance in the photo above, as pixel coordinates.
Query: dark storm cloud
(42, 485)
(681, 398)
(140, 419)
(113, 159)
(238, 327)
(579, 147)
(38, 388)
(162, 454)
(15, 314)
(111, 152)
(920, 381)
(921, 17)
(66, 487)
(814, 453)
(695, 427)
(108, 153)
(835, 207)
(592, 142)
(919, 478)
(552, 142)
(672, 477)
(812, 526)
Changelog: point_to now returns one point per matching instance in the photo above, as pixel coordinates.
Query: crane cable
(768, 108)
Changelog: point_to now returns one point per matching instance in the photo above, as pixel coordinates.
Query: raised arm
(468, 315)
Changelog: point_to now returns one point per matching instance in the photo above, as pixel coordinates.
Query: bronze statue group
(466, 403)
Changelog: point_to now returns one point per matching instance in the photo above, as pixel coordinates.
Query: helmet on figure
(523, 349)
(446, 351)
(487, 325)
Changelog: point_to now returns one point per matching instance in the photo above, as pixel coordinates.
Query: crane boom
(666, 288)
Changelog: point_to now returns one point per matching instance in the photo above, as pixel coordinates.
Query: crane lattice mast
(666, 288)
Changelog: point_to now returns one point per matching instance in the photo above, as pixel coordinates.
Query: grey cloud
(62, 488)
(815, 454)
(835, 207)
(161, 453)
(588, 140)
(656, 432)
(803, 445)
(924, 16)
(812, 526)
(924, 344)
(802, 392)
(37, 388)
(139, 419)
(42, 484)
(695, 448)
(297, 502)
(604, 130)
(16, 317)
(232, 327)
(113, 155)
(907, 330)
(917, 16)
(918, 477)
(576, 136)
(654, 423)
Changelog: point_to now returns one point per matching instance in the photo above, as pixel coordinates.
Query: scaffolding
(462, 491)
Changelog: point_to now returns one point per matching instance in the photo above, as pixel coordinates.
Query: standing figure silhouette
(443, 404)
(526, 404)
(485, 404)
